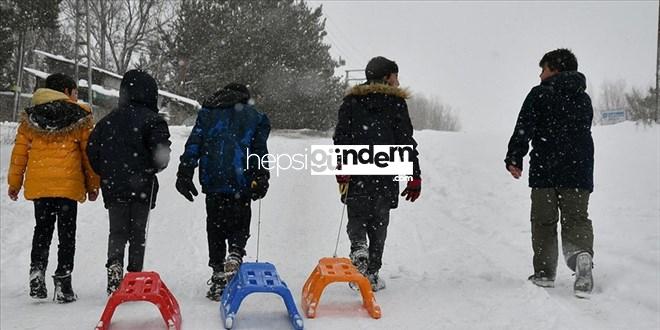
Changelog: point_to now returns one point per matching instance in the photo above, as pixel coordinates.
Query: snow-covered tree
(275, 47)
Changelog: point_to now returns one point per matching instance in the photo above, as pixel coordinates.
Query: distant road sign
(612, 117)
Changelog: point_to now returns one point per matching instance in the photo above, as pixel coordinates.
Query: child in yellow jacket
(50, 162)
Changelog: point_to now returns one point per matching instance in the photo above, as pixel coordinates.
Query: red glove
(413, 190)
(342, 179)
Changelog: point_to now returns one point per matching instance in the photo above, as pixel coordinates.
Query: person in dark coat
(227, 142)
(127, 148)
(374, 113)
(556, 117)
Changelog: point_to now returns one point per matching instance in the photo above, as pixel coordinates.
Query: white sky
(481, 57)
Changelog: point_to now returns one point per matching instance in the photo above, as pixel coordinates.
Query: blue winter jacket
(225, 133)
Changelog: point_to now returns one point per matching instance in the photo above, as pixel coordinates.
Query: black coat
(131, 144)
(556, 116)
(375, 114)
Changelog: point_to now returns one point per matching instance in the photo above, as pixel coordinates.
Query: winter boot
(232, 264)
(542, 279)
(63, 290)
(115, 275)
(38, 283)
(217, 282)
(377, 283)
(360, 259)
(584, 281)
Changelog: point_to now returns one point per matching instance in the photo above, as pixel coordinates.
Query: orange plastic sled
(331, 270)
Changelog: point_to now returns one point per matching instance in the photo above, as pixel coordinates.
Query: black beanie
(138, 88)
(240, 88)
(379, 67)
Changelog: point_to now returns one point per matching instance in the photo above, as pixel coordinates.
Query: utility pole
(89, 57)
(19, 78)
(348, 79)
(76, 74)
(657, 73)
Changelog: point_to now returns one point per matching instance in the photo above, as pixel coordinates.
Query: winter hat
(241, 89)
(379, 67)
(228, 96)
(139, 88)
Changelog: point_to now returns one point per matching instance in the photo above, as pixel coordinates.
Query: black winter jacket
(556, 116)
(375, 114)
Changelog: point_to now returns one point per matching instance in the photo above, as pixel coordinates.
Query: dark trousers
(577, 234)
(227, 226)
(128, 222)
(368, 218)
(48, 211)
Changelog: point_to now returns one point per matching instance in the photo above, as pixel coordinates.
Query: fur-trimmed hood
(365, 89)
(54, 113)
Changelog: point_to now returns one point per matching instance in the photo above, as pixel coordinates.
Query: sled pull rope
(341, 220)
(258, 230)
(146, 229)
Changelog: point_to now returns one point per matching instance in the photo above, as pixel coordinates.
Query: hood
(570, 82)
(45, 95)
(138, 88)
(51, 113)
(374, 96)
(225, 98)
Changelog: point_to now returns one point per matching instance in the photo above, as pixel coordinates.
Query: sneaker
(584, 281)
(542, 279)
(218, 281)
(360, 259)
(63, 290)
(115, 275)
(232, 264)
(377, 283)
(38, 283)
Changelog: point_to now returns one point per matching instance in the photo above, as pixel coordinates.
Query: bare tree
(431, 113)
(612, 97)
(122, 30)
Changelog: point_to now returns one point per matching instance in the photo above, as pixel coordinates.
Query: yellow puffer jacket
(50, 149)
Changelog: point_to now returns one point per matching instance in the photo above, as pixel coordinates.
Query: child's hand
(515, 172)
(13, 194)
(93, 195)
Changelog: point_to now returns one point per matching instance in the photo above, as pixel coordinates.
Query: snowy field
(458, 258)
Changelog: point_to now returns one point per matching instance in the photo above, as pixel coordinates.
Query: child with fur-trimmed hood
(374, 113)
(49, 161)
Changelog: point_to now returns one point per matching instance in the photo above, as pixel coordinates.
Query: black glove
(186, 187)
(259, 187)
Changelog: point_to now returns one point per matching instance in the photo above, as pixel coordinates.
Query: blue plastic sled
(256, 277)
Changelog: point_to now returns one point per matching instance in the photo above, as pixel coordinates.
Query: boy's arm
(191, 154)
(522, 134)
(158, 141)
(92, 180)
(342, 135)
(93, 149)
(403, 131)
(19, 159)
(259, 146)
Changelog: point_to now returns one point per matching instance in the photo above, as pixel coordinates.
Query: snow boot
(218, 281)
(360, 259)
(38, 283)
(542, 279)
(63, 290)
(232, 264)
(115, 275)
(584, 281)
(377, 283)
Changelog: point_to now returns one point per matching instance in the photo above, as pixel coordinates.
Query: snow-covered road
(457, 258)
